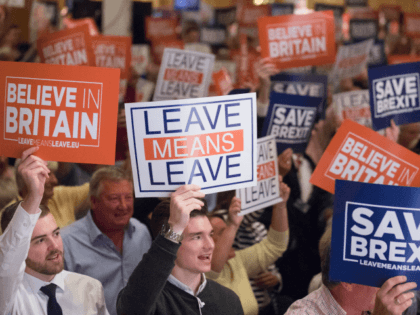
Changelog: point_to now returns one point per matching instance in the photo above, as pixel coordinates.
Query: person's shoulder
(224, 297)
(140, 228)
(76, 229)
(215, 287)
(83, 283)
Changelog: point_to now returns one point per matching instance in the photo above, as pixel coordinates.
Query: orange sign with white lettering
(67, 47)
(357, 153)
(72, 23)
(298, 40)
(69, 112)
(160, 28)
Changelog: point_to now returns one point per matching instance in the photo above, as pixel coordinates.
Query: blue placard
(394, 94)
(313, 85)
(187, 5)
(291, 118)
(356, 3)
(376, 233)
(282, 8)
(377, 56)
(361, 29)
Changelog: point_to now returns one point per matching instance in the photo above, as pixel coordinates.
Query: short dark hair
(161, 215)
(9, 212)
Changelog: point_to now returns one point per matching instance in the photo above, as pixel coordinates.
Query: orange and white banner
(67, 47)
(209, 141)
(298, 40)
(69, 112)
(222, 82)
(114, 52)
(360, 154)
(160, 28)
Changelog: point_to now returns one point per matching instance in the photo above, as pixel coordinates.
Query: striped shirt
(249, 233)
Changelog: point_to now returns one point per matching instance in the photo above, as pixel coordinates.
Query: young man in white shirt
(31, 258)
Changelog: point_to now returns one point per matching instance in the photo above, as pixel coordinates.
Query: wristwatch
(169, 233)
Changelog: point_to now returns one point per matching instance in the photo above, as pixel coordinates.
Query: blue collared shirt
(90, 252)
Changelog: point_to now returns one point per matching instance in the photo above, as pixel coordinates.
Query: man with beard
(31, 258)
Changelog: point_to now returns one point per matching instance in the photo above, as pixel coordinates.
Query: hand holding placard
(393, 298)
(183, 201)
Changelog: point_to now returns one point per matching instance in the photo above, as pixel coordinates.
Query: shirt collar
(37, 284)
(186, 288)
(95, 232)
(331, 301)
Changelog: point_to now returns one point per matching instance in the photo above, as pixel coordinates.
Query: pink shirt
(319, 302)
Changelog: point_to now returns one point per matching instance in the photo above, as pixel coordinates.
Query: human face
(195, 253)
(219, 227)
(45, 256)
(113, 208)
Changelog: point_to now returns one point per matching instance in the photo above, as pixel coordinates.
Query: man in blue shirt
(107, 244)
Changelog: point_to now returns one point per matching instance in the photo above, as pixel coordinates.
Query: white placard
(183, 74)
(351, 60)
(354, 105)
(209, 141)
(267, 191)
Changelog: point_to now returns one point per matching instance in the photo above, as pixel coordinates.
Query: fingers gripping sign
(183, 201)
(34, 172)
(393, 297)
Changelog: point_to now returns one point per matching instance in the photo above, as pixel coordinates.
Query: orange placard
(397, 59)
(222, 82)
(412, 24)
(298, 40)
(69, 112)
(67, 47)
(360, 154)
(161, 28)
(248, 14)
(72, 23)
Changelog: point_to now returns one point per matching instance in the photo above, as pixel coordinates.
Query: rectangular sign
(338, 16)
(187, 5)
(183, 74)
(353, 105)
(70, 47)
(209, 141)
(375, 233)
(361, 29)
(70, 112)
(225, 16)
(356, 3)
(248, 14)
(291, 119)
(267, 192)
(222, 82)
(160, 28)
(412, 24)
(351, 60)
(394, 94)
(72, 23)
(377, 56)
(213, 35)
(304, 85)
(298, 40)
(114, 52)
(360, 154)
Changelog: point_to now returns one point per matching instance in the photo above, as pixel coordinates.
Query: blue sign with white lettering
(313, 85)
(187, 5)
(394, 94)
(375, 233)
(291, 119)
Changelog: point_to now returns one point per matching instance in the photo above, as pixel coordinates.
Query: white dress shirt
(19, 291)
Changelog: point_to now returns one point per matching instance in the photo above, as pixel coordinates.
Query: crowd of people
(75, 240)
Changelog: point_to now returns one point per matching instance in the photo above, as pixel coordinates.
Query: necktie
(53, 307)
